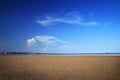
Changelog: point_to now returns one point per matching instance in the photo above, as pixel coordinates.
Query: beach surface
(59, 68)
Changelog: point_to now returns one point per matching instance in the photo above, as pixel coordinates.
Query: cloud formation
(31, 42)
(46, 41)
(67, 19)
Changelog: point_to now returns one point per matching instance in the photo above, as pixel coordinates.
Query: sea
(56, 54)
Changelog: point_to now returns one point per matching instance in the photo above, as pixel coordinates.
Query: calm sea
(61, 54)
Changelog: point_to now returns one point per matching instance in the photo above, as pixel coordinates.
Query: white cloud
(66, 47)
(67, 19)
(89, 23)
(47, 41)
(31, 42)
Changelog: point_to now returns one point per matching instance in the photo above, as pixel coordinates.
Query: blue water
(60, 54)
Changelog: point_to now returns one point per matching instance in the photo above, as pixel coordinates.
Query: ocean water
(57, 54)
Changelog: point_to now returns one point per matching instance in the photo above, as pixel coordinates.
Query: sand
(59, 68)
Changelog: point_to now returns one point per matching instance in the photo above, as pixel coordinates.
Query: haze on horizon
(60, 26)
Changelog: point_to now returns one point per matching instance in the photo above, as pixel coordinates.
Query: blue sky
(72, 26)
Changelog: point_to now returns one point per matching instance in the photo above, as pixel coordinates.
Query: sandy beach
(59, 68)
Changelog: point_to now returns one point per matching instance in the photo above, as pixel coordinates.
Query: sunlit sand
(59, 68)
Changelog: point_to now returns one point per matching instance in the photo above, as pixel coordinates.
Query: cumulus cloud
(66, 18)
(46, 41)
(31, 42)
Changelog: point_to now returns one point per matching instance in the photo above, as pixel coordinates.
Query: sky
(60, 26)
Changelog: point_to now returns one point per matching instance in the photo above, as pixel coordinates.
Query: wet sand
(59, 68)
